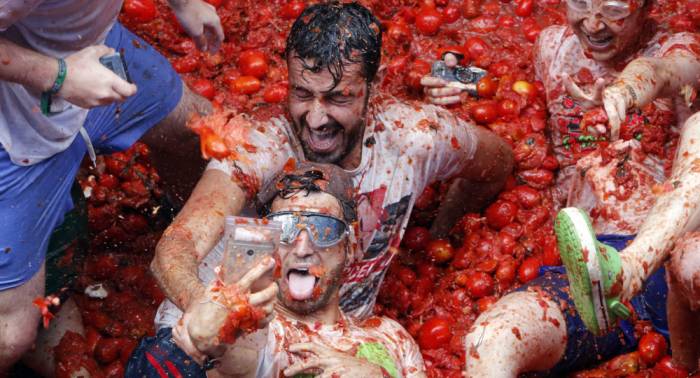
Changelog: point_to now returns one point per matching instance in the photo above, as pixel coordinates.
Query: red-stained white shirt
(379, 340)
(586, 176)
(405, 147)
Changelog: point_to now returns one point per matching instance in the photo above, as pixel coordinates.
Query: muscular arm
(482, 178)
(195, 231)
(26, 67)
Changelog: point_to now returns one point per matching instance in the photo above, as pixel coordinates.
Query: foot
(594, 271)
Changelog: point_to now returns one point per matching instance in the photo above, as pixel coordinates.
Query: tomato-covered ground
(435, 288)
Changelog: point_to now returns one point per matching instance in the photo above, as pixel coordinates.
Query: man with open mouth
(308, 333)
(619, 91)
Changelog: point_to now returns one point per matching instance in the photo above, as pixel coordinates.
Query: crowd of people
(340, 172)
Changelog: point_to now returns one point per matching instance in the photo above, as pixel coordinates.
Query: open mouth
(301, 283)
(599, 42)
(324, 139)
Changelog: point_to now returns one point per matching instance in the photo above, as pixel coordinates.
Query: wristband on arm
(57, 84)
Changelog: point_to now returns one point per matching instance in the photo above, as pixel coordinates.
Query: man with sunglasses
(610, 60)
(392, 149)
(308, 332)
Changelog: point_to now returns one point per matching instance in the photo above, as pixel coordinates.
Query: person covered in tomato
(619, 93)
(57, 103)
(392, 150)
(307, 330)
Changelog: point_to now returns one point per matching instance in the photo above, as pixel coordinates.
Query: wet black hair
(332, 35)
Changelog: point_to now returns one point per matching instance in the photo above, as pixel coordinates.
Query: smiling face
(311, 276)
(328, 119)
(605, 38)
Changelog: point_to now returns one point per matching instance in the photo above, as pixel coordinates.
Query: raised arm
(193, 233)
(646, 78)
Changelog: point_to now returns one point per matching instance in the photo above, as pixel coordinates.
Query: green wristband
(57, 84)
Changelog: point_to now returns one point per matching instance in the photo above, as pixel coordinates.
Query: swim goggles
(324, 230)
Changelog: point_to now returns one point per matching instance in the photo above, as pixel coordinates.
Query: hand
(587, 100)
(201, 22)
(437, 90)
(198, 330)
(330, 363)
(88, 83)
(617, 98)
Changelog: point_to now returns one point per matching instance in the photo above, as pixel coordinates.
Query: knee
(684, 268)
(17, 336)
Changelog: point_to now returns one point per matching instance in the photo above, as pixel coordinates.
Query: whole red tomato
(529, 270)
(399, 32)
(204, 88)
(652, 347)
(527, 196)
(500, 213)
(416, 238)
(666, 368)
(479, 285)
(471, 9)
(537, 178)
(275, 93)
(440, 250)
(451, 14)
(523, 8)
(484, 303)
(484, 112)
(486, 87)
(253, 63)
(140, 10)
(434, 333)
(508, 108)
(476, 47)
(292, 9)
(428, 20)
(246, 85)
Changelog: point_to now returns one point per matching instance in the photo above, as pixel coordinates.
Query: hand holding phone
(115, 62)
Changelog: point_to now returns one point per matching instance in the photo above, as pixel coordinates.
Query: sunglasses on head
(324, 230)
(613, 10)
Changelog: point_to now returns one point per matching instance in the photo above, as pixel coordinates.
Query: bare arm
(483, 177)
(645, 79)
(193, 233)
(26, 67)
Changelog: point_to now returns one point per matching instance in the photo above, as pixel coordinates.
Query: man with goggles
(610, 60)
(308, 333)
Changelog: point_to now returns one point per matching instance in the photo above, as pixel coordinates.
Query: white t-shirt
(406, 146)
(586, 178)
(56, 28)
(379, 340)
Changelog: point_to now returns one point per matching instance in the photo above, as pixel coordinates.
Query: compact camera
(461, 77)
(116, 64)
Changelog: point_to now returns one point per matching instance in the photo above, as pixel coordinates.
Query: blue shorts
(159, 357)
(583, 348)
(34, 199)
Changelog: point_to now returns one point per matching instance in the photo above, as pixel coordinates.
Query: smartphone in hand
(116, 64)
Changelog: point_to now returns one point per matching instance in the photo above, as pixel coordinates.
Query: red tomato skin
(293, 9)
(451, 14)
(140, 10)
(666, 368)
(529, 270)
(479, 285)
(416, 238)
(484, 112)
(276, 93)
(246, 85)
(428, 20)
(434, 333)
(501, 213)
(253, 63)
(652, 347)
(524, 8)
(204, 88)
(440, 250)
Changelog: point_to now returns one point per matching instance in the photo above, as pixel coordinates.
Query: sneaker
(592, 269)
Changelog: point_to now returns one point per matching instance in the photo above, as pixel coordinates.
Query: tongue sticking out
(301, 286)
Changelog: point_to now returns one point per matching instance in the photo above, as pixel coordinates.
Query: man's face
(311, 276)
(328, 120)
(603, 33)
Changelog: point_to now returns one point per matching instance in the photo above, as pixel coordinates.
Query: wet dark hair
(310, 178)
(332, 35)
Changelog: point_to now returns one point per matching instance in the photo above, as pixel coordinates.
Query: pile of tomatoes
(435, 287)
(114, 291)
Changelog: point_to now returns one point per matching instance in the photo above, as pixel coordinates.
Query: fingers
(302, 366)
(445, 100)
(258, 271)
(442, 92)
(599, 87)
(574, 90)
(123, 88)
(433, 82)
(266, 295)
(613, 119)
(184, 342)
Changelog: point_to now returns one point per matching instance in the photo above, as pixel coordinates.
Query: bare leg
(675, 212)
(523, 331)
(40, 359)
(176, 148)
(19, 319)
(683, 276)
